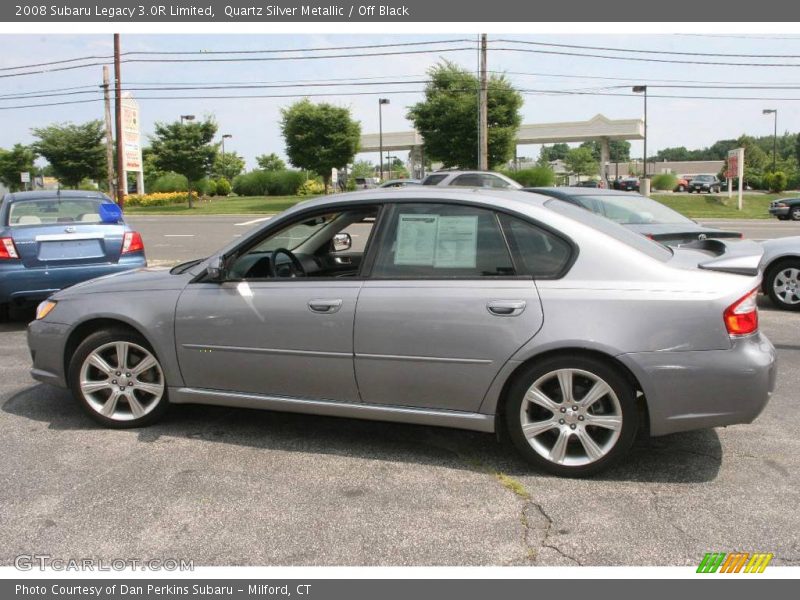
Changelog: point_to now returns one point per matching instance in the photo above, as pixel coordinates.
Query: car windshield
(49, 211)
(704, 178)
(632, 209)
(623, 234)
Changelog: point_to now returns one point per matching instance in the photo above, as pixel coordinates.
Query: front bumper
(20, 284)
(779, 211)
(711, 388)
(46, 342)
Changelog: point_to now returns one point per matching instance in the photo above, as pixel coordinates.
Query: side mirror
(342, 241)
(215, 268)
(109, 213)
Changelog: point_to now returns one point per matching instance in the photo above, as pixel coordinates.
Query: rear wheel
(782, 284)
(795, 213)
(572, 416)
(118, 380)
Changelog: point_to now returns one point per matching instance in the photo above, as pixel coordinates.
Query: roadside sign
(735, 170)
(25, 177)
(131, 141)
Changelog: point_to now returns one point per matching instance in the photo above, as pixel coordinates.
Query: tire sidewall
(621, 386)
(794, 214)
(769, 278)
(89, 345)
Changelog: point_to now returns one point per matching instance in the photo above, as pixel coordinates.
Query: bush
(223, 187)
(269, 183)
(775, 182)
(666, 182)
(158, 199)
(210, 187)
(540, 176)
(171, 182)
(312, 187)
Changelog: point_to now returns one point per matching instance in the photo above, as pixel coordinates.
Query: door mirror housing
(215, 268)
(342, 242)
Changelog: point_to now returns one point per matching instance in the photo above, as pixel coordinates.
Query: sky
(254, 122)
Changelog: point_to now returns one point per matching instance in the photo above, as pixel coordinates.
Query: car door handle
(506, 308)
(324, 305)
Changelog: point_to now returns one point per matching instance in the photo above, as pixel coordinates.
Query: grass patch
(513, 485)
(719, 206)
(233, 205)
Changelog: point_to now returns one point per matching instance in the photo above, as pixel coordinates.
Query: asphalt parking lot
(239, 487)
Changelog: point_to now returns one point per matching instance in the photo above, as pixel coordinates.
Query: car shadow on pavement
(679, 458)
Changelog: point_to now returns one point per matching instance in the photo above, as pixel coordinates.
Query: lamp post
(774, 113)
(381, 102)
(389, 159)
(225, 136)
(186, 118)
(642, 89)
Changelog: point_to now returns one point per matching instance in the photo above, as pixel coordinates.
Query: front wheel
(118, 380)
(795, 214)
(782, 284)
(572, 416)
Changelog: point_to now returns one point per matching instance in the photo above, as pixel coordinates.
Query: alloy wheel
(571, 417)
(786, 285)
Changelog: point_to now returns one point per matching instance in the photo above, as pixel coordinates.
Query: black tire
(794, 214)
(772, 272)
(690, 190)
(625, 407)
(783, 218)
(97, 341)
(5, 312)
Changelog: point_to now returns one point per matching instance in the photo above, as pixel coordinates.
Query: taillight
(741, 317)
(132, 242)
(7, 248)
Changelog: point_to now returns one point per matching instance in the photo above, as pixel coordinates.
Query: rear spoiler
(741, 257)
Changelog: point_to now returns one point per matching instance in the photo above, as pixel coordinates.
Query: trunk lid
(740, 257)
(69, 245)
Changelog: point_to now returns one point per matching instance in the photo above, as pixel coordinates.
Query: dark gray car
(477, 309)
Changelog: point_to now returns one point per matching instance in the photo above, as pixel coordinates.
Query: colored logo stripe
(734, 562)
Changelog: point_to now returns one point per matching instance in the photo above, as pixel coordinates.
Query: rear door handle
(325, 305)
(506, 308)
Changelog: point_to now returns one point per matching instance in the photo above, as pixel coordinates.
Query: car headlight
(44, 309)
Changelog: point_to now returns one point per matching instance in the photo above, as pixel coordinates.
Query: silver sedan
(478, 309)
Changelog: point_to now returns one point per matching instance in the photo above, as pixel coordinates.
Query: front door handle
(506, 308)
(325, 305)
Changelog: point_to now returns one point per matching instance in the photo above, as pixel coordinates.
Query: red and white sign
(131, 136)
(735, 163)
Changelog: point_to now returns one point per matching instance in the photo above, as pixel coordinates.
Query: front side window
(468, 180)
(494, 182)
(442, 241)
(48, 211)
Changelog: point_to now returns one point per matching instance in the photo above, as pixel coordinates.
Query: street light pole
(186, 118)
(774, 113)
(381, 102)
(225, 136)
(642, 89)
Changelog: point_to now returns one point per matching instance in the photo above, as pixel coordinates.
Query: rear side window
(441, 241)
(537, 252)
(433, 179)
(53, 210)
(468, 180)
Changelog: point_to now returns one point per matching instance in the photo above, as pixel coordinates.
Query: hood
(136, 280)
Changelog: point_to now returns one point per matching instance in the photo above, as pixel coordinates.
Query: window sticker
(416, 240)
(456, 243)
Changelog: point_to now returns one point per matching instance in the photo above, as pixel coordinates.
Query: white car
(479, 179)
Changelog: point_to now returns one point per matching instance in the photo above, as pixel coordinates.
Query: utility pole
(122, 184)
(109, 134)
(483, 132)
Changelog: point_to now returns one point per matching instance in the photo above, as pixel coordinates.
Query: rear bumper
(712, 388)
(20, 284)
(46, 342)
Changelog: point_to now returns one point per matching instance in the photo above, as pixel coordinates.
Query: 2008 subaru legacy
(475, 309)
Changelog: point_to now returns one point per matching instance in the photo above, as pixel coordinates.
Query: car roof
(53, 194)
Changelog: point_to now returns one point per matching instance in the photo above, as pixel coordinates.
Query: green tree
(319, 137)
(448, 117)
(13, 162)
(75, 152)
(581, 162)
(550, 153)
(362, 168)
(227, 165)
(270, 162)
(185, 148)
(619, 150)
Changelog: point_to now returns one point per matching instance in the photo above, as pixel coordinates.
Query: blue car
(51, 240)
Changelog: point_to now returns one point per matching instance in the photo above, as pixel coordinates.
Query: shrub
(223, 187)
(539, 176)
(312, 187)
(158, 199)
(664, 182)
(776, 182)
(210, 187)
(268, 183)
(170, 182)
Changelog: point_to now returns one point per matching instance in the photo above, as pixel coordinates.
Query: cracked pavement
(228, 486)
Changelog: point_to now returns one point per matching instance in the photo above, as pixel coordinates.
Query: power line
(643, 51)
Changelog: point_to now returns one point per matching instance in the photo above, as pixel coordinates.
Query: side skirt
(372, 412)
